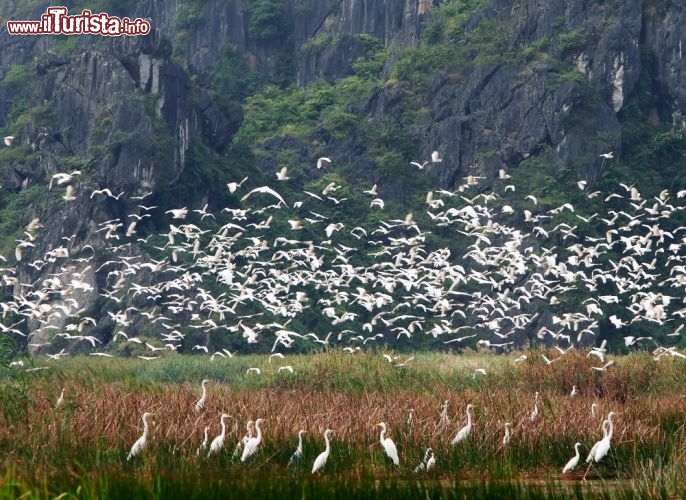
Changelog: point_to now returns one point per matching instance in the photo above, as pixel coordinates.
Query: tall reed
(84, 442)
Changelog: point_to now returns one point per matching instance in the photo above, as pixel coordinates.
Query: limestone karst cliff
(512, 84)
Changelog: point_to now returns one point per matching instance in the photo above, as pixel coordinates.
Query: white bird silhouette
(534, 412)
(218, 442)
(463, 433)
(322, 160)
(507, 437)
(321, 459)
(266, 190)
(107, 192)
(200, 403)
(372, 191)
(203, 445)
(70, 193)
(61, 178)
(388, 444)
(298, 453)
(573, 462)
(233, 186)
(178, 213)
(250, 447)
(141, 442)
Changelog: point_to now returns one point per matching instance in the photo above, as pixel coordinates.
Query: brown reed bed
(100, 419)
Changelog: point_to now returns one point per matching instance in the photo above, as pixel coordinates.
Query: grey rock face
(517, 109)
(665, 31)
(127, 109)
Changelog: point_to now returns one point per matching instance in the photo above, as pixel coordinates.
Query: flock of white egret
(278, 271)
(248, 445)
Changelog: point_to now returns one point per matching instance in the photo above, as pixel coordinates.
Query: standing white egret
(443, 421)
(60, 400)
(388, 444)
(203, 446)
(534, 412)
(298, 453)
(507, 436)
(200, 403)
(464, 432)
(241, 443)
(250, 447)
(140, 443)
(427, 463)
(594, 407)
(574, 461)
(602, 447)
(605, 426)
(575, 391)
(410, 421)
(321, 459)
(431, 462)
(218, 442)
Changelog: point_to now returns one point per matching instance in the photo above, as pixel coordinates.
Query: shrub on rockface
(267, 20)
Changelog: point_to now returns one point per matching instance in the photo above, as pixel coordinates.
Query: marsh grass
(81, 446)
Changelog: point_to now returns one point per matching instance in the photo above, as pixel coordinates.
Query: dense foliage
(267, 20)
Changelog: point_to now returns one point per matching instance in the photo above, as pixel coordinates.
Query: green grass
(262, 485)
